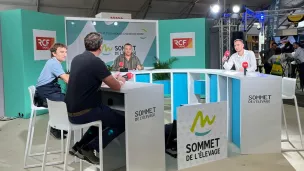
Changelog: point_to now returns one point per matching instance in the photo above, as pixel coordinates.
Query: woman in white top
(239, 57)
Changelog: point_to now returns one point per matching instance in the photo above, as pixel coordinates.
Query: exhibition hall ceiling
(159, 9)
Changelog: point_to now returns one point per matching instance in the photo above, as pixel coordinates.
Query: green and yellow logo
(144, 31)
(203, 121)
(106, 50)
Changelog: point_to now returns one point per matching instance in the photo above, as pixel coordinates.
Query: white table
(254, 103)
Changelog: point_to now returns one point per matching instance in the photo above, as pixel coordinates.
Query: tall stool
(58, 118)
(288, 92)
(30, 133)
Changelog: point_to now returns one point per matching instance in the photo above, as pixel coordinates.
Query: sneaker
(89, 156)
(56, 133)
(74, 149)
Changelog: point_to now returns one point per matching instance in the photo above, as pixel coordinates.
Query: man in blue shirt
(47, 86)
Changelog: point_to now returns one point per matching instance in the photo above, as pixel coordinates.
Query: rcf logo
(182, 43)
(44, 43)
(202, 121)
(259, 98)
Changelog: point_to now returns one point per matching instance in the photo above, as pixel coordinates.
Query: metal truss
(226, 27)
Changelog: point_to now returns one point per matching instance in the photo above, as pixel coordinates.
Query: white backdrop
(142, 35)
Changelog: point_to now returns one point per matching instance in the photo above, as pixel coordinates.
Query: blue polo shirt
(52, 70)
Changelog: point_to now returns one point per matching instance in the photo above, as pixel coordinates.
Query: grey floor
(13, 137)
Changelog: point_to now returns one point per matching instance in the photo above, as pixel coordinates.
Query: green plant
(163, 65)
(109, 67)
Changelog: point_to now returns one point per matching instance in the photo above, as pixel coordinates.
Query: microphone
(227, 53)
(128, 76)
(121, 64)
(245, 66)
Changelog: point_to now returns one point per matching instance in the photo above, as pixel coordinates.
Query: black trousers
(301, 74)
(267, 67)
(112, 120)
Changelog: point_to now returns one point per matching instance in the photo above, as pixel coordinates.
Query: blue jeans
(113, 121)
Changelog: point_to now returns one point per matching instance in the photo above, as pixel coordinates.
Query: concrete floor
(13, 138)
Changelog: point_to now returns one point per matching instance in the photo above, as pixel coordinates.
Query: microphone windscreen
(245, 64)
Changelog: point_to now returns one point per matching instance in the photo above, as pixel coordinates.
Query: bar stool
(58, 118)
(288, 92)
(30, 134)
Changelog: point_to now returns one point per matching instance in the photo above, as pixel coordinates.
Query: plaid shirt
(130, 64)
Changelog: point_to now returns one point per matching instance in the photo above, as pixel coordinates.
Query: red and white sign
(182, 44)
(43, 40)
(108, 15)
(44, 43)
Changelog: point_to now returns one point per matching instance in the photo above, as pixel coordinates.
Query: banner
(43, 41)
(201, 134)
(142, 36)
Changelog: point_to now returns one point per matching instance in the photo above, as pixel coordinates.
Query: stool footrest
(40, 154)
(47, 164)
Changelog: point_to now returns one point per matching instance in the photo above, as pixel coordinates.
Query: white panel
(145, 141)
(1, 79)
(199, 143)
(207, 86)
(229, 109)
(192, 98)
(222, 88)
(261, 116)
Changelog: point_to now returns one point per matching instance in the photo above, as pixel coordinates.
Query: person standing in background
(298, 55)
(267, 54)
(48, 86)
(127, 60)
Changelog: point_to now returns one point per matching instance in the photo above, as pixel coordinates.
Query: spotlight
(94, 23)
(115, 23)
(215, 8)
(236, 9)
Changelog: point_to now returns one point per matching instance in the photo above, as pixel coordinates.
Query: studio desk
(142, 146)
(254, 102)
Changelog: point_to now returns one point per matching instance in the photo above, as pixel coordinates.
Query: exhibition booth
(238, 108)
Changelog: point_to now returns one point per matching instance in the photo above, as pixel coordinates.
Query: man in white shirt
(239, 57)
(298, 55)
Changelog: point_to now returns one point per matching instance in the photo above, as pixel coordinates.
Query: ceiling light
(236, 9)
(215, 8)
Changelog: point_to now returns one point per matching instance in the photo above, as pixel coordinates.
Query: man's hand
(121, 79)
(138, 67)
(224, 59)
(116, 75)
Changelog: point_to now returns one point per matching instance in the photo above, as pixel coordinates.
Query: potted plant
(163, 78)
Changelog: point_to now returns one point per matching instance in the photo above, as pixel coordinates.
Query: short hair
(54, 48)
(274, 43)
(127, 44)
(296, 43)
(238, 40)
(93, 41)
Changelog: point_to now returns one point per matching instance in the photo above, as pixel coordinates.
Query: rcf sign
(43, 40)
(44, 43)
(181, 43)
